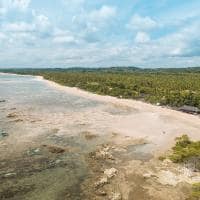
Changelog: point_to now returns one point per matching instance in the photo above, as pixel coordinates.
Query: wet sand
(85, 146)
(158, 124)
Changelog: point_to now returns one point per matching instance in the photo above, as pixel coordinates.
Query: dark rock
(101, 193)
(55, 149)
(18, 120)
(33, 152)
(89, 136)
(189, 109)
(12, 115)
(3, 134)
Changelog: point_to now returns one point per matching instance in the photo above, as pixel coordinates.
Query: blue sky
(99, 33)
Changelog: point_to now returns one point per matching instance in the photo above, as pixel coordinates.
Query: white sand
(157, 124)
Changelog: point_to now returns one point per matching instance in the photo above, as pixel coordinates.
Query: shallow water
(35, 116)
(28, 90)
(46, 136)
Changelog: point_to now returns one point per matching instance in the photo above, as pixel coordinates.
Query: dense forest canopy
(174, 86)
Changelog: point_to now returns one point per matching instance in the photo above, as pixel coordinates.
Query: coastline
(185, 119)
(105, 98)
(120, 154)
(162, 142)
(110, 99)
(12, 74)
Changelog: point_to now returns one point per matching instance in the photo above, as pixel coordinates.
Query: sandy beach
(158, 124)
(58, 142)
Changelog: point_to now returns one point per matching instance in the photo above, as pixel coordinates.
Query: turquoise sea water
(30, 90)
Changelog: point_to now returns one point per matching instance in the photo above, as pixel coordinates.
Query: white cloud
(42, 21)
(90, 33)
(181, 42)
(19, 27)
(74, 2)
(6, 5)
(2, 36)
(39, 28)
(2, 11)
(142, 37)
(141, 23)
(73, 6)
(21, 4)
(104, 13)
(89, 24)
(63, 37)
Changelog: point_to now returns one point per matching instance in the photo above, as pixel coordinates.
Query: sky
(99, 33)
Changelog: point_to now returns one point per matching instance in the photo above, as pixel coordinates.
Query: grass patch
(186, 151)
(195, 191)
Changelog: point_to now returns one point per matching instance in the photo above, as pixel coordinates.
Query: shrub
(195, 191)
(186, 150)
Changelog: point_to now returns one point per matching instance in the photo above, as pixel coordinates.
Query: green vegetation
(186, 151)
(173, 87)
(195, 195)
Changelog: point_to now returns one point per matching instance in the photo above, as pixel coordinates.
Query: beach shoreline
(150, 111)
(104, 98)
(120, 154)
(160, 139)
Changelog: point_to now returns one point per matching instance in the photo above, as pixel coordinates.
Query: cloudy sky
(93, 33)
